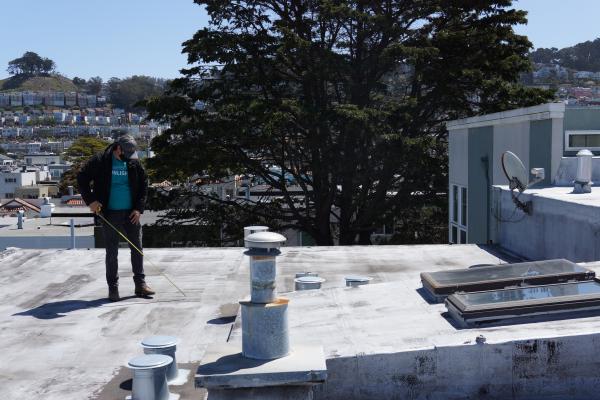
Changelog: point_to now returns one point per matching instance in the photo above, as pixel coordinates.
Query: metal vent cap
(264, 240)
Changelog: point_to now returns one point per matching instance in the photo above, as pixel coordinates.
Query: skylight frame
(439, 291)
(468, 315)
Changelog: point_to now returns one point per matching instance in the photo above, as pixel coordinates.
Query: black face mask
(126, 155)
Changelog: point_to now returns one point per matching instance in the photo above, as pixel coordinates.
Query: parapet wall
(556, 368)
(556, 228)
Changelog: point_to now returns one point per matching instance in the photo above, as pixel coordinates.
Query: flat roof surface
(62, 339)
(563, 193)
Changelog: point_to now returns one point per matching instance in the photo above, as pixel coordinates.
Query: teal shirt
(120, 193)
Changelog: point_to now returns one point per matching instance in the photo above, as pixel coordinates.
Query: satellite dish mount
(518, 179)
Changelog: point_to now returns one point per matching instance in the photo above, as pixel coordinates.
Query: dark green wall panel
(540, 147)
(481, 145)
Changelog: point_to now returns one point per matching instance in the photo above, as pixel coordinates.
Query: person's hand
(95, 207)
(135, 216)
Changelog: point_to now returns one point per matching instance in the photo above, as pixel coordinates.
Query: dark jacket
(95, 177)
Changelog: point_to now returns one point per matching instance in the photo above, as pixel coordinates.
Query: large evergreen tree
(346, 98)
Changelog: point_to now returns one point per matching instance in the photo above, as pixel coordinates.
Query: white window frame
(568, 135)
(458, 224)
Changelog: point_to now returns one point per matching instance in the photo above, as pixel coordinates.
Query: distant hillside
(581, 57)
(38, 83)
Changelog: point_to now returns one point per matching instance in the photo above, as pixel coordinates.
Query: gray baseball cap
(128, 145)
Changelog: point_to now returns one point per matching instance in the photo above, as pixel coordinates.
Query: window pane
(454, 203)
(463, 236)
(463, 205)
(593, 141)
(577, 140)
(454, 235)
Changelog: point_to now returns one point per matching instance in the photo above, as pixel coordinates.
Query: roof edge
(534, 113)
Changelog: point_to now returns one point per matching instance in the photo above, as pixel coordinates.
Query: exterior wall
(540, 149)
(458, 163)
(576, 118)
(513, 137)
(549, 368)
(555, 229)
(481, 147)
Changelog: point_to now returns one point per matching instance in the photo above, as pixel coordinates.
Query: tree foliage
(78, 153)
(127, 93)
(31, 64)
(79, 82)
(94, 85)
(346, 98)
(582, 57)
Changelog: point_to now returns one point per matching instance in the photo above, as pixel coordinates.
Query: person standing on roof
(115, 183)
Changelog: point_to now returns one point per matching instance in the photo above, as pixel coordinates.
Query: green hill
(581, 57)
(38, 84)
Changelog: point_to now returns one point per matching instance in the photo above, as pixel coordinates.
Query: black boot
(113, 294)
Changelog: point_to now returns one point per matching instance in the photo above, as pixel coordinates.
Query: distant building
(583, 75)
(42, 159)
(70, 99)
(55, 99)
(82, 100)
(91, 100)
(32, 99)
(4, 100)
(16, 99)
(57, 170)
(32, 192)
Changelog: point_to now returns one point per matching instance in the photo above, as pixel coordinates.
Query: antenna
(518, 178)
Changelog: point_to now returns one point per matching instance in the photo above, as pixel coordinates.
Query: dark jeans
(133, 232)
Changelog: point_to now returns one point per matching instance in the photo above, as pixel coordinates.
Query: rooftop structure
(546, 136)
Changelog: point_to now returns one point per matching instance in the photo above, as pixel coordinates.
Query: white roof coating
(563, 193)
(53, 311)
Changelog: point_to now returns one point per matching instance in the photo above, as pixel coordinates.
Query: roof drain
(583, 180)
(356, 280)
(149, 377)
(166, 345)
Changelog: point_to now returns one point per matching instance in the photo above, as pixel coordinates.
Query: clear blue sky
(126, 37)
(101, 37)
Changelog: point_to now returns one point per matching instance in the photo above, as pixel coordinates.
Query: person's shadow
(59, 309)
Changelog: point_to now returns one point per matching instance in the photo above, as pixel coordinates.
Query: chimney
(583, 180)
(70, 189)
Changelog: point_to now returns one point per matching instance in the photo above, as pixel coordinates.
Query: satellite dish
(518, 178)
(515, 171)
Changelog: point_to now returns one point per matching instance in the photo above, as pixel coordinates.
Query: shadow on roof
(59, 309)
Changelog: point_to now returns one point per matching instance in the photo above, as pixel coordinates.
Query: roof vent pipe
(583, 180)
(20, 214)
(70, 189)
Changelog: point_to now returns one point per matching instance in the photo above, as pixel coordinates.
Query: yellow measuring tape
(139, 251)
